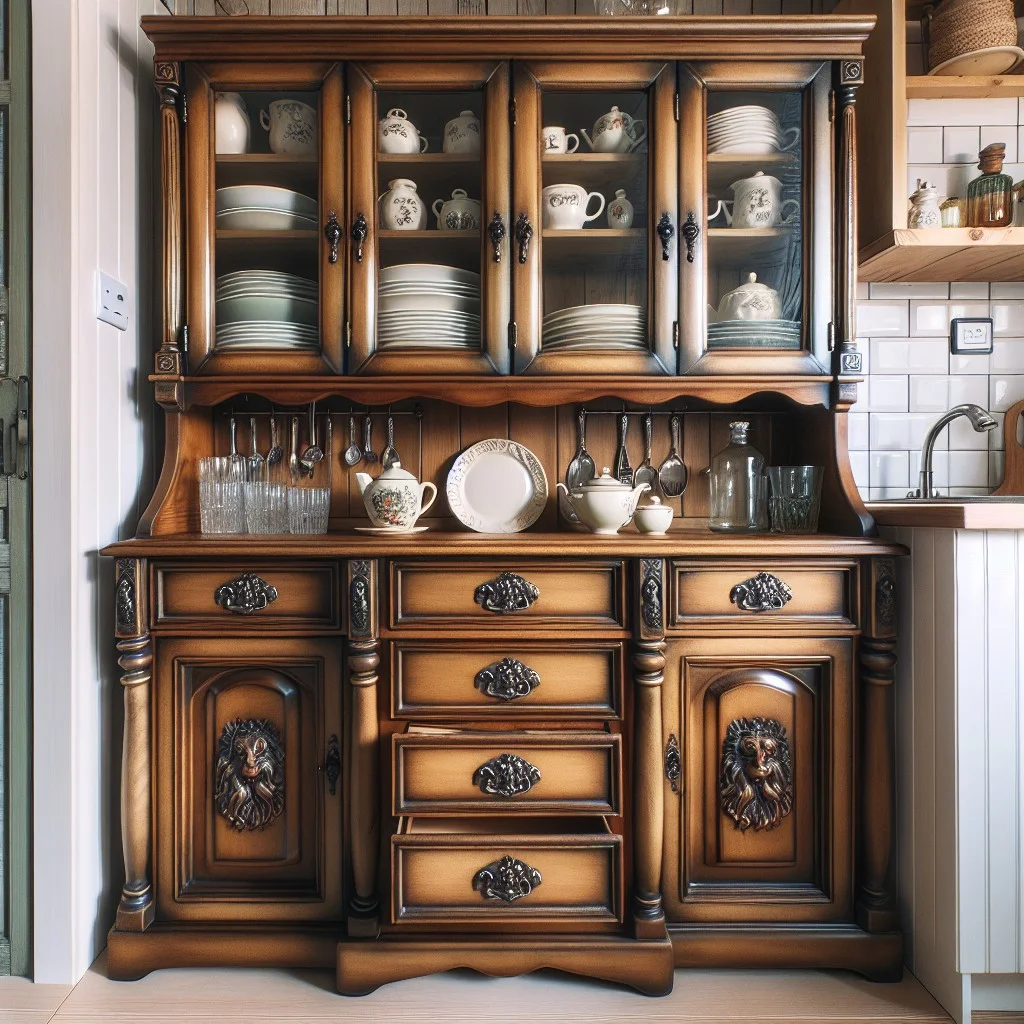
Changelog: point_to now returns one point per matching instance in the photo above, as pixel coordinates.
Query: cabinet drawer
(484, 679)
(467, 871)
(793, 593)
(508, 595)
(516, 773)
(247, 597)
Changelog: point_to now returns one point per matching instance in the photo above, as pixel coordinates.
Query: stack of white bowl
(750, 129)
(428, 304)
(264, 208)
(604, 324)
(266, 309)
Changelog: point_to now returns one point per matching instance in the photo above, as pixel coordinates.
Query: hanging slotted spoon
(389, 456)
(645, 472)
(582, 468)
(672, 473)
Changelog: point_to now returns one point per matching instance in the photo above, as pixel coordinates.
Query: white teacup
(555, 140)
(565, 206)
(292, 127)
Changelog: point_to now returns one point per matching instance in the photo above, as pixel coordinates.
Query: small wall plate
(970, 335)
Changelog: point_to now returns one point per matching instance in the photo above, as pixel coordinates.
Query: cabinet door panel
(761, 828)
(245, 822)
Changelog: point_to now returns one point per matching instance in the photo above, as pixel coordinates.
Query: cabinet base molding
(846, 947)
(645, 966)
(132, 955)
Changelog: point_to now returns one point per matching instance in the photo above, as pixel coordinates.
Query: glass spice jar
(990, 195)
(924, 206)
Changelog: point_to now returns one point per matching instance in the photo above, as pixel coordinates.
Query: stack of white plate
(428, 304)
(746, 129)
(754, 334)
(266, 309)
(603, 324)
(264, 208)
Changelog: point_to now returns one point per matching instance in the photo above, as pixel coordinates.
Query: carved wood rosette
(131, 620)
(648, 658)
(363, 661)
(876, 905)
(167, 76)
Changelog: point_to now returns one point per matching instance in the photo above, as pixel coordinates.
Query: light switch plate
(111, 301)
(970, 335)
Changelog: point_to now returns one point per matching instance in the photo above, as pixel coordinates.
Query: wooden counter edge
(975, 515)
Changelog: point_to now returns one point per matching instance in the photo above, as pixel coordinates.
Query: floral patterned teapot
(394, 500)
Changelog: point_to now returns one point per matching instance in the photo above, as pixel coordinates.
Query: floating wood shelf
(945, 254)
(965, 87)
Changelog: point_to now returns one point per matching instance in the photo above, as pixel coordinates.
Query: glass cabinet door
(429, 248)
(595, 233)
(756, 172)
(264, 171)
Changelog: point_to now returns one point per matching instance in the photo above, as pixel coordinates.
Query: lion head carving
(250, 774)
(757, 773)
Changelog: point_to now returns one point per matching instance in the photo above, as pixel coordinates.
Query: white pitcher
(231, 123)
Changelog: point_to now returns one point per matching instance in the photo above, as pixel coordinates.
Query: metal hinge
(675, 335)
(348, 334)
(832, 105)
(512, 111)
(14, 427)
(348, 109)
(831, 336)
(184, 338)
(673, 762)
(513, 335)
(677, 105)
(182, 107)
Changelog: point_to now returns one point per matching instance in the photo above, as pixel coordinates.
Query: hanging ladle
(353, 453)
(313, 453)
(672, 473)
(582, 469)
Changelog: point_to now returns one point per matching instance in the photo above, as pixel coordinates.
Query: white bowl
(654, 518)
(267, 197)
(430, 272)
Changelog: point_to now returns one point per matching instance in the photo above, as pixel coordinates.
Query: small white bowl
(654, 518)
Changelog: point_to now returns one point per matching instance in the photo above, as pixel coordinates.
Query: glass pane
(755, 215)
(429, 180)
(267, 240)
(594, 220)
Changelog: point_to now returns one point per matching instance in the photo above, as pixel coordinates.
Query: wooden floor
(462, 997)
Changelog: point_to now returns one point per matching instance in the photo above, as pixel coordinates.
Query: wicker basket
(964, 26)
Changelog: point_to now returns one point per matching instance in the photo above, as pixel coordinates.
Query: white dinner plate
(746, 148)
(263, 220)
(391, 529)
(434, 273)
(497, 486)
(268, 197)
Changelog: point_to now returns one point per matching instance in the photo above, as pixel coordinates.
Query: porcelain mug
(565, 206)
(555, 140)
(292, 127)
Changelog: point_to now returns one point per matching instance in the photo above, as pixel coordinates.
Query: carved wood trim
(652, 597)
(849, 75)
(362, 598)
(169, 87)
(130, 607)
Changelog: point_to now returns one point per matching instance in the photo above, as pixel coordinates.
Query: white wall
(93, 123)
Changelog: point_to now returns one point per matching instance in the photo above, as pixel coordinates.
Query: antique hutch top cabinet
(396, 753)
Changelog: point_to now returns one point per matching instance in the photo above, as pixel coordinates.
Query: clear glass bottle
(738, 491)
(990, 195)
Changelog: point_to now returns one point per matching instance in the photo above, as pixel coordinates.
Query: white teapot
(397, 134)
(616, 132)
(604, 505)
(394, 499)
(751, 301)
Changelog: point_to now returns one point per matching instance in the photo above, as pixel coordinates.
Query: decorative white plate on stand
(497, 486)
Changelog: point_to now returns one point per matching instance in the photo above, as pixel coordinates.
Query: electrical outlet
(111, 301)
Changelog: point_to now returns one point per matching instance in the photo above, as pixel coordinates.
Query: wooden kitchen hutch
(624, 691)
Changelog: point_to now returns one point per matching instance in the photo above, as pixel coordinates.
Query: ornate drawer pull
(360, 230)
(245, 595)
(332, 764)
(507, 592)
(761, 593)
(673, 762)
(332, 232)
(506, 775)
(524, 232)
(496, 230)
(507, 679)
(506, 880)
(690, 233)
(666, 229)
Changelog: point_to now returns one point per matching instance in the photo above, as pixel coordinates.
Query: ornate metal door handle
(506, 880)
(690, 233)
(673, 762)
(666, 229)
(508, 679)
(496, 230)
(506, 775)
(332, 764)
(245, 595)
(507, 592)
(761, 593)
(332, 232)
(524, 232)
(360, 230)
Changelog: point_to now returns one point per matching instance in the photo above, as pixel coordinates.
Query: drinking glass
(308, 509)
(795, 498)
(221, 498)
(266, 507)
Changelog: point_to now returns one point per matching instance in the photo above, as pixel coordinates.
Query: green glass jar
(990, 195)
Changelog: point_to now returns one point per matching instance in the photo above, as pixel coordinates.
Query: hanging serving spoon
(623, 470)
(276, 453)
(368, 453)
(582, 468)
(390, 456)
(256, 461)
(313, 453)
(672, 473)
(645, 472)
(293, 456)
(353, 453)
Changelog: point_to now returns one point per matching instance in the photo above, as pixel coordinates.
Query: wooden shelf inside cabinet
(243, 240)
(945, 254)
(741, 245)
(461, 248)
(267, 169)
(600, 172)
(725, 168)
(435, 174)
(594, 241)
(966, 87)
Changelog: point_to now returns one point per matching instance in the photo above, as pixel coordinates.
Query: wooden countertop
(436, 543)
(950, 515)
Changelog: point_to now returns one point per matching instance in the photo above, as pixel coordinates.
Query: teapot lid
(395, 472)
(751, 285)
(605, 482)
(754, 177)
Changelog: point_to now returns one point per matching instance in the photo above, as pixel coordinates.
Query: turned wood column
(363, 657)
(167, 79)
(648, 659)
(876, 907)
(135, 910)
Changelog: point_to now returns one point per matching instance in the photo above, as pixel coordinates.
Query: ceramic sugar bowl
(462, 134)
(401, 208)
(751, 301)
(654, 518)
(603, 505)
(397, 134)
(460, 213)
(394, 500)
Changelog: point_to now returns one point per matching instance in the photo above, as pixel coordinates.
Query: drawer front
(456, 878)
(508, 595)
(482, 679)
(506, 773)
(247, 597)
(790, 593)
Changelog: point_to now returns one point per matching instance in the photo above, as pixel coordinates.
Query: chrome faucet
(980, 420)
